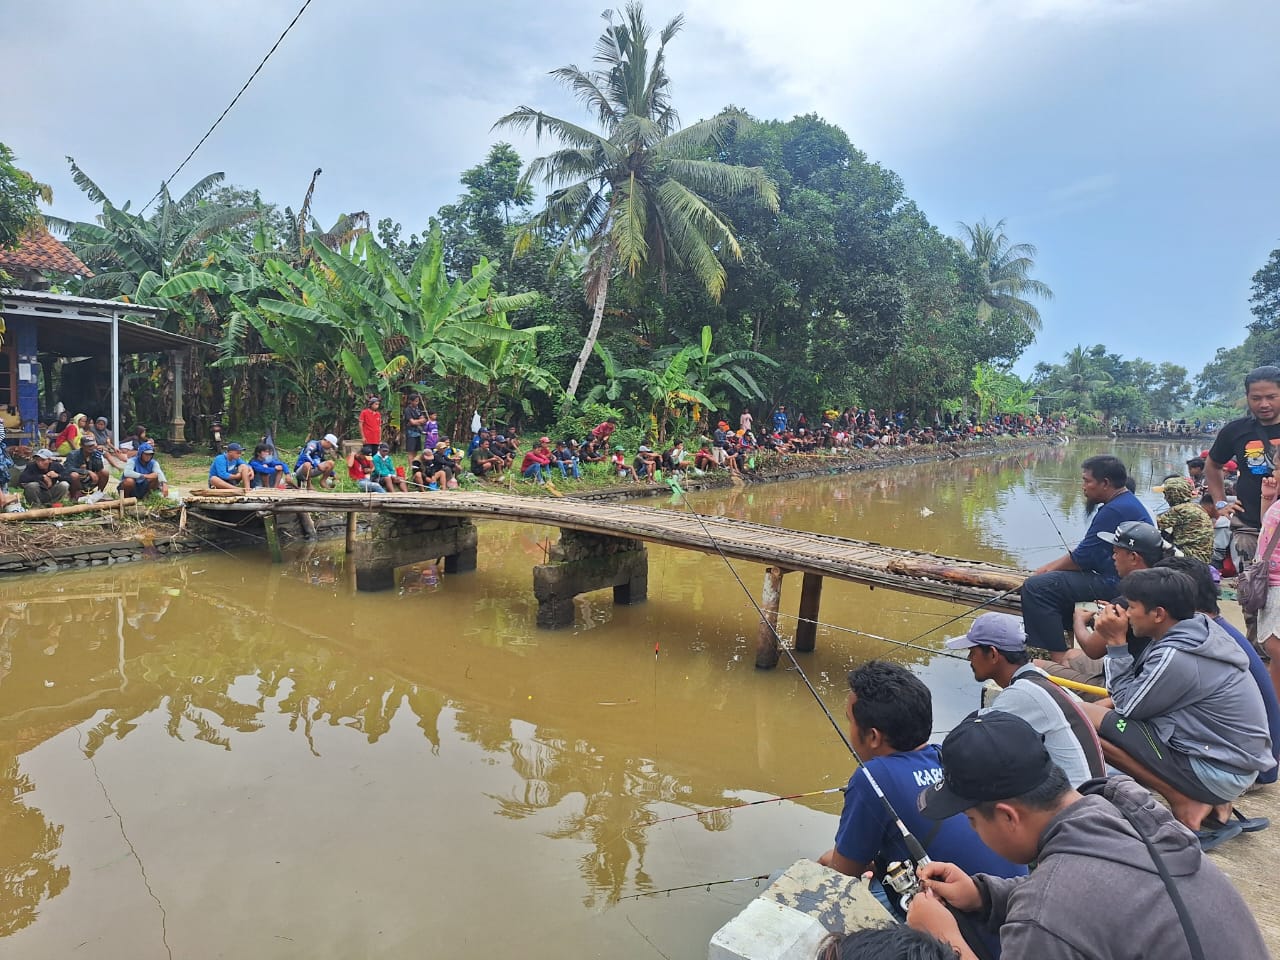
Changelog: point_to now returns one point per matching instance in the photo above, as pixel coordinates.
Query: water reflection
(464, 711)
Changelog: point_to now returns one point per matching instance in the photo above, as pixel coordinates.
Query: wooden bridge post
(273, 537)
(351, 532)
(807, 625)
(770, 598)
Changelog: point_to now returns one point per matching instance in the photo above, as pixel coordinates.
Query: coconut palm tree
(1003, 269)
(636, 194)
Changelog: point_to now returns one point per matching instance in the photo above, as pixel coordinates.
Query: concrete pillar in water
(770, 598)
(810, 601)
(396, 540)
(351, 533)
(583, 562)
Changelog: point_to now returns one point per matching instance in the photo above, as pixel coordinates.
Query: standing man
(1088, 572)
(414, 420)
(371, 426)
(745, 420)
(602, 432)
(780, 419)
(1251, 441)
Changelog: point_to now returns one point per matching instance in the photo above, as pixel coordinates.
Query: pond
(215, 756)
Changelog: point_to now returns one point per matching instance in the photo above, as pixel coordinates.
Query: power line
(164, 183)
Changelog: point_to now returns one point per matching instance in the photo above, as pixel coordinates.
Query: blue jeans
(569, 466)
(370, 486)
(1049, 600)
(534, 472)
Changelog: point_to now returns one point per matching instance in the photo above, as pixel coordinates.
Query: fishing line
(876, 636)
(739, 806)
(707, 884)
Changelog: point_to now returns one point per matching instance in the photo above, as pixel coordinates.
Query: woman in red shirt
(371, 426)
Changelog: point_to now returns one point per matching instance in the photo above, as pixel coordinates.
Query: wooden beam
(351, 533)
(807, 624)
(770, 598)
(51, 513)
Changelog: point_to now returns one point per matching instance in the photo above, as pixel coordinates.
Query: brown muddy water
(215, 757)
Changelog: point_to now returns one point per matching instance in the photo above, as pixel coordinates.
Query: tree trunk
(602, 291)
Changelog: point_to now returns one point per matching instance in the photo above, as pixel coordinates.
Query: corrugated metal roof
(80, 326)
(90, 305)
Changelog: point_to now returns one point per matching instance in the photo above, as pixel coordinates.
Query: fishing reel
(900, 877)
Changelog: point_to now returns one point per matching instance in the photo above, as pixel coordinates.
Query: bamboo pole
(807, 624)
(49, 513)
(767, 651)
(1080, 687)
(351, 533)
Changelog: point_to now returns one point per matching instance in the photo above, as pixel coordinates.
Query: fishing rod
(915, 850)
(739, 806)
(708, 884)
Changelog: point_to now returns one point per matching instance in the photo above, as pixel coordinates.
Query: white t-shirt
(1038, 708)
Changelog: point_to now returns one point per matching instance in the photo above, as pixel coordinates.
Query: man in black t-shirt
(1253, 442)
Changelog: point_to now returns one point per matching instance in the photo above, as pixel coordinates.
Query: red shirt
(370, 425)
(360, 467)
(604, 431)
(534, 456)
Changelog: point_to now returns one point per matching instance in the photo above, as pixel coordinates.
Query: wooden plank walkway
(858, 561)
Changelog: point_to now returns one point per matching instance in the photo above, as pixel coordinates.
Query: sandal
(1215, 836)
(1246, 824)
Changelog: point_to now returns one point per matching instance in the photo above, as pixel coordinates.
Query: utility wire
(165, 183)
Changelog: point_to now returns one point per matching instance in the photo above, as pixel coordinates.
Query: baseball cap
(1000, 630)
(1141, 538)
(644, 449)
(44, 453)
(146, 448)
(501, 439)
(441, 445)
(333, 440)
(384, 446)
(544, 439)
(989, 756)
(234, 446)
(88, 440)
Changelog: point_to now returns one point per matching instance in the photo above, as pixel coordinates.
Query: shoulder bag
(1251, 586)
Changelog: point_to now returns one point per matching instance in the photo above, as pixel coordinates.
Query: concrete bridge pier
(398, 539)
(583, 562)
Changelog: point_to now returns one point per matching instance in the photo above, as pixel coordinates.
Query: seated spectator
(567, 461)
(1134, 546)
(86, 468)
(591, 452)
(318, 459)
(229, 470)
(384, 471)
(1096, 892)
(676, 458)
(1087, 572)
(1184, 524)
(1187, 720)
(704, 459)
(360, 470)
(44, 480)
(142, 474)
(646, 464)
(537, 462)
(890, 714)
(431, 468)
(69, 438)
(268, 470)
(998, 652)
(485, 463)
(619, 463)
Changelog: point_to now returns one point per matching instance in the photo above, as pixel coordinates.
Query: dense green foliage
(1105, 386)
(20, 196)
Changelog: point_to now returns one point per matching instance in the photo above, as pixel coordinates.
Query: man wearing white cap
(317, 460)
(997, 649)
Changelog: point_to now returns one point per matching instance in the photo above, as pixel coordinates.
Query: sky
(1134, 142)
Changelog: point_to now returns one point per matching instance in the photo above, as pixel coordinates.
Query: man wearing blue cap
(229, 471)
(997, 649)
(1116, 876)
(142, 474)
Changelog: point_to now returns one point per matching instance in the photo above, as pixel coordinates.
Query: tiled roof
(39, 250)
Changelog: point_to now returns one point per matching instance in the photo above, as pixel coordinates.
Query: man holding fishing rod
(1050, 595)
(1116, 876)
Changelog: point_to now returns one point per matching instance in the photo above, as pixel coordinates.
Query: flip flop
(1249, 824)
(1216, 836)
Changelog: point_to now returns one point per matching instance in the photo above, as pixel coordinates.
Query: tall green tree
(1004, 280)
(20, 196)
(636, 195)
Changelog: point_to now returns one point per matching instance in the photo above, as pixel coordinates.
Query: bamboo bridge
(601, 545)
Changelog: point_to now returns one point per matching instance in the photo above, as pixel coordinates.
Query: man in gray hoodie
(1188, 721)
(1097, 892)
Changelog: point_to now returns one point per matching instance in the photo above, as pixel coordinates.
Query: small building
(88, 335)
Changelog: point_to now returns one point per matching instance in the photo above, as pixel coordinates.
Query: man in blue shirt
(780, 419)
(1088, 572)
(229, 471)
(890, 714)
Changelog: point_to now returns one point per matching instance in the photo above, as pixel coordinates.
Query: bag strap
(1080, 726)
(1270, 548)
(1179, 905)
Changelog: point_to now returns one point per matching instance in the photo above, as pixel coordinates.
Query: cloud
(1080, 194)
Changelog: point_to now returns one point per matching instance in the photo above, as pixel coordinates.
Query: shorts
(412, 442)
(369, 449)
(1139, 740)
(140, 487)
(1081, 668)
(1269, 618)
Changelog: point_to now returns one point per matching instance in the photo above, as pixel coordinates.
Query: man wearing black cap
(1096, 892)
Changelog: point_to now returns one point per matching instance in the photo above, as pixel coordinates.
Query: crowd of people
(1175, 702)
